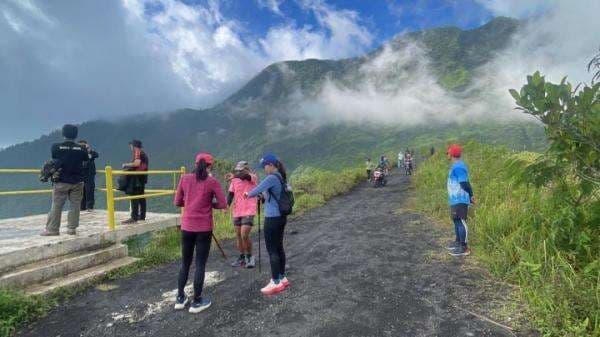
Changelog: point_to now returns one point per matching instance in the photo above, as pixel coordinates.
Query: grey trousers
(60, 193)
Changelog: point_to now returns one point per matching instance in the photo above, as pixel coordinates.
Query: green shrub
(526, 235)
(16, 308)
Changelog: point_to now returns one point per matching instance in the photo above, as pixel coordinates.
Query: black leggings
(274, 228)
(201, 242)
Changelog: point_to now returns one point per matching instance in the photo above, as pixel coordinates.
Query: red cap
(455, 150)
(208, 158)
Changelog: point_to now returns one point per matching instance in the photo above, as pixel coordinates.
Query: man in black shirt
(89, 177)
(70, 182)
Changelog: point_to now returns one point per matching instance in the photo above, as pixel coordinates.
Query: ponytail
(281, 170)
(201, 170)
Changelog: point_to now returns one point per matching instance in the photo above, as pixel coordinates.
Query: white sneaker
(181, 302)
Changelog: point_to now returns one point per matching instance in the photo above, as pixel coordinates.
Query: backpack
(286, 198)
(51, 171)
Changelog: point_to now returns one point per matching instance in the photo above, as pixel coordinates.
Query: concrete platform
(20, 242)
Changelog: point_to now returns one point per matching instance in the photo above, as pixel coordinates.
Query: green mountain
(264, 114)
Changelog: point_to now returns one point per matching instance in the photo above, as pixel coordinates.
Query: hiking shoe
(199, 305)
(285, 282)
(273, 288)
(48, 233)
(461, 251)
(72, 231)
(181, 302)
(250, 262)
(239, 262)
(453, 245)
(129, 221)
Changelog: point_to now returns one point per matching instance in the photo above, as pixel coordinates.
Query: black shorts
(459, 211)
(243, 221)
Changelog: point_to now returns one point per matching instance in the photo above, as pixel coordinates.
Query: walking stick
(220, 248)
(259, 265)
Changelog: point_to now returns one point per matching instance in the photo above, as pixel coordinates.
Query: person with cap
(244, 210)
(460, 197)
(89, 177)
(198, 193)
(137, 183)
(69, 185)
(271, 188)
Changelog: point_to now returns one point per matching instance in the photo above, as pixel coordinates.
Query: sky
(69, 61)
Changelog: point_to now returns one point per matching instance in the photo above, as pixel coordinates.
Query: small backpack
(286, 198)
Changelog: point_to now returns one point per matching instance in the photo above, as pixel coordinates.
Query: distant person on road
(408, 163)
(89, 177)
(71, 157)
(460, 197)
(137, 183)
(400, 159)
(369, 166)
(244, 210)
(271, 188)
(199, 194)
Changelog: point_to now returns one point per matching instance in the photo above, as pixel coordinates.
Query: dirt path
(358, 267)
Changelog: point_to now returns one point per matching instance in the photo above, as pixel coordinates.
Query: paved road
(359, 266)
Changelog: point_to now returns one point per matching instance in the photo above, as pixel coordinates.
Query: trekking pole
(259, 265)
(220, 248)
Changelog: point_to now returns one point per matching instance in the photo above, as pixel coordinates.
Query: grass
(312, 188)
(523, 236)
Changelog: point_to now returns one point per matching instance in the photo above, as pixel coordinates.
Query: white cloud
(272, 5)
(520, 8)
(340, 34)
(73, 61)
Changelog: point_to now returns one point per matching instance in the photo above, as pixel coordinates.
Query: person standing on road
(71, 157)
(271, 188)
(244, 210)
(370, 166)
(89, 177)
(137, 183)
(460, 197)
(199, 194)
(400, 159)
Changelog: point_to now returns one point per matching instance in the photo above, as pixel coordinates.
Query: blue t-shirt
(459, 173)
(272, 183)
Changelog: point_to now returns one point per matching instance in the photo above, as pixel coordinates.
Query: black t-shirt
(71, 156)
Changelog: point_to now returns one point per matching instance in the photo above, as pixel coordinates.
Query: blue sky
(384, 18)
(72, 60)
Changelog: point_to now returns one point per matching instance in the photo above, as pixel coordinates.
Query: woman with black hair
(271, 188)
(198, 193)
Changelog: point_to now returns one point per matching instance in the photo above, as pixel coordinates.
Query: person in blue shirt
(460, 197)
(270, 188)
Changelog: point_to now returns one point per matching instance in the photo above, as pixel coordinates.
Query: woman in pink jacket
(198, 193)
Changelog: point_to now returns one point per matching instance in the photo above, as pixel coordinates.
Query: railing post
(110, 198)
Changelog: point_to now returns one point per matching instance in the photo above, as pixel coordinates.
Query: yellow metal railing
(109, 189)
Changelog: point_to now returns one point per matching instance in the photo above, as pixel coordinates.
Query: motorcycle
(379, 178)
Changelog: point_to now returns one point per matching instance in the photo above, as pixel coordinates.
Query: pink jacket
(197, 199)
